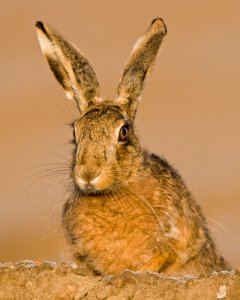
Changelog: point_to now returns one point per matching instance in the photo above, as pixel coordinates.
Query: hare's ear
(69, 66)
(138, 66)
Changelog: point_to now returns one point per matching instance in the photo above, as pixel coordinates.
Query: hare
(129, 209)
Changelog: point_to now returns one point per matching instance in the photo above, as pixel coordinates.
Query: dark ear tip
(40, 26)
(161, 24)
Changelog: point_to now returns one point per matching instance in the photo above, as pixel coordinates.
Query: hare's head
(107, 150)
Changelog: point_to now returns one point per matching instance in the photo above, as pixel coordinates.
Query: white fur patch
(121, 100)
(45, 44)
(69, 95)
(81, 182)
(95, 181)
(137, 44)
(174, 232)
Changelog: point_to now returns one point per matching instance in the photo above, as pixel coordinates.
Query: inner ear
(138, 67)
(70, 67)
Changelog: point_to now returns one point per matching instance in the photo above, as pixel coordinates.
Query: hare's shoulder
(160, 167)
(168, 178)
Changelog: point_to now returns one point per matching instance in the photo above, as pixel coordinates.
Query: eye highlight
(123, 134)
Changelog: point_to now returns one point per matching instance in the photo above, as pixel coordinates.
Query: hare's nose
(89, 174)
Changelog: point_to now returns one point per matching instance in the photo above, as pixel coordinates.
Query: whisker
(146, 203)
(218, 224)
(54, 153)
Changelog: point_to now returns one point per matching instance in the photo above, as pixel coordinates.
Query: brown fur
(129, 209)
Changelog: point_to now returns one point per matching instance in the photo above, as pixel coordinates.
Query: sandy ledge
(48, 280)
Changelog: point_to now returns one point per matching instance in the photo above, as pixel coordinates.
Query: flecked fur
(129, 209)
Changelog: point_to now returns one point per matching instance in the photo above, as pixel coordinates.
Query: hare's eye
(123, 134)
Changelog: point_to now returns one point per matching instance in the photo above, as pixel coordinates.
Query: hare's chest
(115, 237)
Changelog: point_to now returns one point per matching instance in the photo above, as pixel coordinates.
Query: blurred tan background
(190, 112)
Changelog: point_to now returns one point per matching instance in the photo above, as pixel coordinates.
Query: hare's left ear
(138, 66)
(69, 66)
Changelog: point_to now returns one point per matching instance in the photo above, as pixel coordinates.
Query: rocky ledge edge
(49, 280)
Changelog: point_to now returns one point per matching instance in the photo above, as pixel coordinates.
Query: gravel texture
(48, 280)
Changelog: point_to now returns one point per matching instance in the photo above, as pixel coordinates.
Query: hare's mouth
(90, 190)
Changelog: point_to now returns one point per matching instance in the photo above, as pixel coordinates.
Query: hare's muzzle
(87, 177)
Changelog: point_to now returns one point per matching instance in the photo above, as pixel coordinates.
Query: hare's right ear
(138, 66)
(69, 66)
